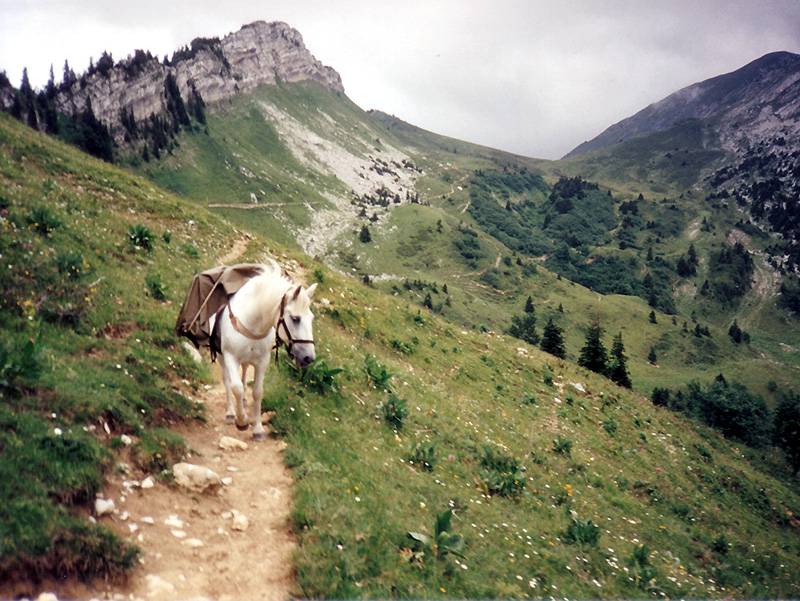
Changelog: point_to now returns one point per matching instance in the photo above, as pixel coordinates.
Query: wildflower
(568, 490)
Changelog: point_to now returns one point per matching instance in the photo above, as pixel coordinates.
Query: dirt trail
(192, 545)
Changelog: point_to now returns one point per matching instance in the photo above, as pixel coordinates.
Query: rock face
(258, 54)
(758, 101)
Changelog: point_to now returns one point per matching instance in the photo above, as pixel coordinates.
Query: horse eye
(295, 318)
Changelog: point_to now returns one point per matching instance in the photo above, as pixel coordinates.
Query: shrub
(140, 237)
(443, 542)
(401, 346)
(643, 571)
(528, 399)
(166, 236)
(610, 426)
(43, 220)
(423, 455)
(191, 251)
(563, 446)
(394, 411)
(548, 376)
(378, 375)
(154, 287)
(733, 410)
(319, 377)
(71, 265)
(787, 428)
(581, 533)
(501, 474)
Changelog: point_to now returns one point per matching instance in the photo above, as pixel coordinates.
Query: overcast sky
(535, 78)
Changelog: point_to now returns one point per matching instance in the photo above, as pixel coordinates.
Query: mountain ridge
(738, 95)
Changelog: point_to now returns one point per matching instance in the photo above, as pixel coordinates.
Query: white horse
(268, 305)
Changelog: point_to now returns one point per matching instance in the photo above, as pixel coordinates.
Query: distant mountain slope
(760, 100)
(561, 483)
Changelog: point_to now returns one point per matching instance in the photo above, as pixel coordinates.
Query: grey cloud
(535, 78)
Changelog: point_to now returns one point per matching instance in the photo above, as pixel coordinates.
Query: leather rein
(279, 340)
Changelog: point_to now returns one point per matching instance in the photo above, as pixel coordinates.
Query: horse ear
(311, 289)
(296, 292)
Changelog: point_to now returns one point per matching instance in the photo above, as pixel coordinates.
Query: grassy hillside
(254, 149)
(559, 482)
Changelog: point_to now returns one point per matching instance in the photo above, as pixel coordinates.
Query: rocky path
(230, 541)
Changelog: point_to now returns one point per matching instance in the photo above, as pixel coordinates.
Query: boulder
(103, 507)
(197, 478)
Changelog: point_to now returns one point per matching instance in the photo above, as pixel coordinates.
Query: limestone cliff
(258, 54)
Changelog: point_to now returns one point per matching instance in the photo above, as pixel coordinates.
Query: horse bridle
(290, 340)
(279, 341)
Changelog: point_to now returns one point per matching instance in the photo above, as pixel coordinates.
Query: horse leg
(237, 388)
(229, 413)
(258, 393)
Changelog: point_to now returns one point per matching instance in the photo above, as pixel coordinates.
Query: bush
(378, 375)
(43, 220)
(787, 428)
(423, 455)
(443, 541)
(528, 399)
(71, 265)
(319, 377)
(154, 287)
(394, 411)
(581, 533)
(501, 474)
(610, 426)
(563, 446)
(140, 237)
(733, 410)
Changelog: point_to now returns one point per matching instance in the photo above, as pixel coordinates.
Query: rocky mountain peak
(207, 70)
(755, 102)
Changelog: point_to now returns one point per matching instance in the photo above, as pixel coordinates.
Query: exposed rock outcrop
(214, 69)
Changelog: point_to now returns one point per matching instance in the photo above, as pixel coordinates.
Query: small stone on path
(228, 443)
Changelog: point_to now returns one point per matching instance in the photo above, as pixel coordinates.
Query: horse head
(296, 325)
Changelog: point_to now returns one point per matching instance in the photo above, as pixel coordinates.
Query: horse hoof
(229, 419)
(243, 427)
(259, 436)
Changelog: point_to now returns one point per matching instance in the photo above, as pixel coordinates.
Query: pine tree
(529, 308)
(651, 356)
(735, 332)
(364, 235)
(553, 340)
(787, 428)
(560, 308)
(653, 317)
(524, 327)
(692, 256)
(28, 100)
(428, 301)
(618, 370)
(593, 354)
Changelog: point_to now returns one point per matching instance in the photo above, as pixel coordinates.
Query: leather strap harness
(279, 340)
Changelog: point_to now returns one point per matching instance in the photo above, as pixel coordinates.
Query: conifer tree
(553, 339)
(735, 332)
(428, 301)
(364, 235)
(28, 100)
(651, 356)
(787, 428)
(618, 370)
(529, 308)
(653, 317)
(524, 326)
(593, 354)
